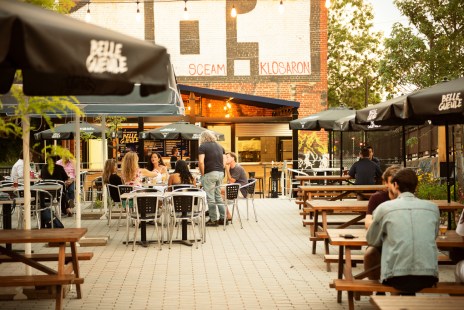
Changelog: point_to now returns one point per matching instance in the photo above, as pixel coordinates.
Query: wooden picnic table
(324, 207)
(417, 302)
(347, 245)
(325, 178)
(339, 191)
(52, 277)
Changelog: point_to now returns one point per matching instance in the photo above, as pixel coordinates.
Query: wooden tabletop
(361, 205)
(436, 302)
(340, 188)
(42, 235)
(452, 238)
(322, 178)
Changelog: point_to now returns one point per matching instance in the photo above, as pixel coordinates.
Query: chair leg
(135, 233)
(254, 209)
(235, 206)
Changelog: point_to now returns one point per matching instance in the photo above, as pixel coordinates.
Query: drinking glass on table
(443, 228)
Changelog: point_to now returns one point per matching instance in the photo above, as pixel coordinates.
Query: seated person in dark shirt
(110, 176)
(174, 154)
(52, 171)
(372, 255)
(365, 171)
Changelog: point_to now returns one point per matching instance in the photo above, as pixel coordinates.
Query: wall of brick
(260, 52)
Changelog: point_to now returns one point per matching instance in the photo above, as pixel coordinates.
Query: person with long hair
(156, 164)
(110, 176)
(181, 174)
(131, 173)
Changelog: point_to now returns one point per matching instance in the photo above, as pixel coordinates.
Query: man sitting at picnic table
(365, 171)
(406, 228)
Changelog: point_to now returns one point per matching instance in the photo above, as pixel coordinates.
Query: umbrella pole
(77, 154)
(448, 188)
(27, 181)
(404, 146)
(341, 153)
(104, 157)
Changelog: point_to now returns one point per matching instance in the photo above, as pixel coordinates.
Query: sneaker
(212, 223)
(71, 203)
(221, 222)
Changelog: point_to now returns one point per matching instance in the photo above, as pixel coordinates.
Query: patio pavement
(265, 265)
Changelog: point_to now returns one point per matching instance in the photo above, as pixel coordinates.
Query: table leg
(75, 263)
(7, 220)
(59, 288)
(340, 270)
(315, 230)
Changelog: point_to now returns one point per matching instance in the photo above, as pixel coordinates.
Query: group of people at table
(401, 229)
(213, 161)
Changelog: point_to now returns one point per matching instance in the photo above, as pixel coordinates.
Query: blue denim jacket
(406, 229)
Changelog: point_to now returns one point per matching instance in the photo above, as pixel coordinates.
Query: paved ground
(265, 265)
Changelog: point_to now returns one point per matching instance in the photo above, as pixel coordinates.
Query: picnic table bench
(417, 302)
(67, 264)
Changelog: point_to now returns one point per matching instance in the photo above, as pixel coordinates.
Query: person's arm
(224, 160)
(147, 173)
(230, 178)
(368, 221)
(201, 164)
(374, 233)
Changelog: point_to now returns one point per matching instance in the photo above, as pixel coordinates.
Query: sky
(385, 15)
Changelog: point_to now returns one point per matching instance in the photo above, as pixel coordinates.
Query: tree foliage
(427, 51)
(353, 54)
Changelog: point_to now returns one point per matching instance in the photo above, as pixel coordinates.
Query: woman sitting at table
(181, 174)
(110, 176)
(156, 164)
(52, 171)
(132, 174)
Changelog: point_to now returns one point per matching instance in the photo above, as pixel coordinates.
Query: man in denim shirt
(406, 228)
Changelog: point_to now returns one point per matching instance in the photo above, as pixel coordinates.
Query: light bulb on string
(138, 16)
(186, 13)
(281, 7)
(233, 12)
(327, 4)
(88, 17)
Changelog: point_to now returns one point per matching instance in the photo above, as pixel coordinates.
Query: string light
(186, 14)
(233, 12)
(138, 16)
(88, 17)
(327, 4)
(281, 7)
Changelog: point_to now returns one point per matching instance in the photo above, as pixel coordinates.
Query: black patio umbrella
(334, 119)
(60, 55)
(442, 105)
(322, 120)
(177, 131)
(66, 131)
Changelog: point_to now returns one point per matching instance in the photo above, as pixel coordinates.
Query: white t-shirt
(17, 170)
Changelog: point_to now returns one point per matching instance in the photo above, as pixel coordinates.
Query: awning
(257, 101)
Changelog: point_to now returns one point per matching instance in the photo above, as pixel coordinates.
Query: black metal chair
(146, 209)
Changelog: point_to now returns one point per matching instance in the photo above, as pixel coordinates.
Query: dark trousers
(411, 284)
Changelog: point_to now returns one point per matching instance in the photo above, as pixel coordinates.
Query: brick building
(245, 76)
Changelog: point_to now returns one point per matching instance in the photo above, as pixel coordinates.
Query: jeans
(213, 195)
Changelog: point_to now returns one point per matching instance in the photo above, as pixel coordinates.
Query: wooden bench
(370, 286)
(359, 258)
(56, 281)
(41, 257)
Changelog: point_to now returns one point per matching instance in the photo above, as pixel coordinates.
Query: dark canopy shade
(177, 131)
(66, 131)
(257, 101)
(390, 112)
(322, 120)
(442, 103)
(348, 123)
(59, 55)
